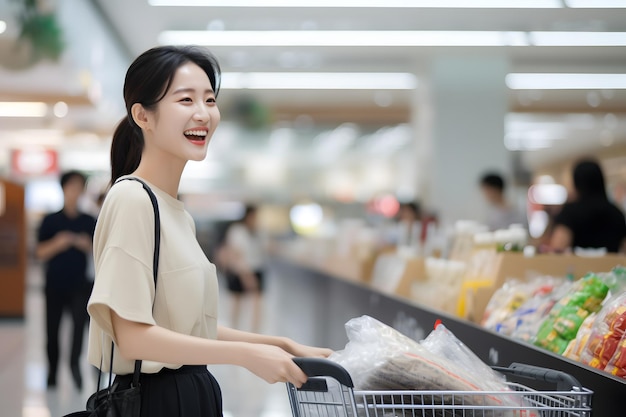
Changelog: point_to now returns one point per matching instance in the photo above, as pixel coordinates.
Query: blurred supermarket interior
(334, 113)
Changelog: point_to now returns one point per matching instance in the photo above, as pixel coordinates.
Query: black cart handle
(563, 381)
(323, 367)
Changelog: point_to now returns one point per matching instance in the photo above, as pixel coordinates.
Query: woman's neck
(164, 176)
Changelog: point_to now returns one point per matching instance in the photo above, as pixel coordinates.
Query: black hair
(589, 180)
(70, 175)
(493, 180)
(147, 80)
(250, 210)
(413, 206)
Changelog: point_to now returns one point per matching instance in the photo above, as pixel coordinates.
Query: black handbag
(110, 401)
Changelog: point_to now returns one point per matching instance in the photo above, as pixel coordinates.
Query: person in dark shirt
(64, 244)
(590, 220)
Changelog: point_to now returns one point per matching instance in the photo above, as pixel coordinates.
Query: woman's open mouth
(196, 136)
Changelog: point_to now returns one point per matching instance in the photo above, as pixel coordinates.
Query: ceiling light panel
(577, 38)
(23, 109)
(519, 81)
(318, 81)
(459, 4)
(343, 38)
(596, 4)
(386, 38)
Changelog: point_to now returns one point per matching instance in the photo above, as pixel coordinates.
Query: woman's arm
(149, 342)
(561, 238)
(286, 344)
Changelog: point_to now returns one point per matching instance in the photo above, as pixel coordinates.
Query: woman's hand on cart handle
(273, 364)
(323, 367)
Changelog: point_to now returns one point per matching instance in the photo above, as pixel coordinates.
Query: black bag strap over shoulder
(155, 269)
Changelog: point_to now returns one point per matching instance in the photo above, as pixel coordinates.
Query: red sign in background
(29, 162)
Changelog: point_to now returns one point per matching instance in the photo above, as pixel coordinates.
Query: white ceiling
(132, 26)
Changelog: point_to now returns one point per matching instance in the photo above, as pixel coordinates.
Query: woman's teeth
(196, 133)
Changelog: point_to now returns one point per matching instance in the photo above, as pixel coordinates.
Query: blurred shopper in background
(501, 214)
(409, 231)
(406, 232)
(589, 220)
(171, 102)
(245, 262)
(64, 244)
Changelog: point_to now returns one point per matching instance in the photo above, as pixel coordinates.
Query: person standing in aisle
(245, 266)
(64, 244)
(590, 220)
(501, 214)
(170, 94)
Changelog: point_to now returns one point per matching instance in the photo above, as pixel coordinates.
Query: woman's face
(186, 117)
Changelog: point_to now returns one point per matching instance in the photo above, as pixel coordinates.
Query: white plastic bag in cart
(370, 345)
(442, 342)
(380, 358)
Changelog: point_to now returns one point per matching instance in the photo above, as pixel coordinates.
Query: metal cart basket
(329, 392)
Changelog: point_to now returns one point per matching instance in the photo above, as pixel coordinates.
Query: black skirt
(190, 391)
(235, 284)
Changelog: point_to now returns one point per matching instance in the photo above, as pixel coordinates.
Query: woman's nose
(202, 113)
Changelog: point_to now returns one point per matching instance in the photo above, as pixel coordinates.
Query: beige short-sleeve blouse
(187, 292)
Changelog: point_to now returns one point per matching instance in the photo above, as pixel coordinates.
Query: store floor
(23, 368)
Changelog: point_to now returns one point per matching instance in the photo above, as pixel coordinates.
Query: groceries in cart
(380, 358)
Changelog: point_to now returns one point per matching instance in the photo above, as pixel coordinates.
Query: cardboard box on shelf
(415, 271)
(516, 265)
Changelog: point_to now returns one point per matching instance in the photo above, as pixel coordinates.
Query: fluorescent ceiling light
(577, 38)
(518, 81)
(319, 80)
(23, 109)
(389, 38)
(547, 194)
(461, 4)
(342, 38)
(596, 4)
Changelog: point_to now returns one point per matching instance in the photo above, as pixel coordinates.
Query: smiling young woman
(172, 113)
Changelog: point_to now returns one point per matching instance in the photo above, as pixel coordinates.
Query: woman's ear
(140, 115)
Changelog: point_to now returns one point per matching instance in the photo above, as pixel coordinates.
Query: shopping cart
(329, 392)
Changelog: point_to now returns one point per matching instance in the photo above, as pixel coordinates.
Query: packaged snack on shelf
(526, 320)
(566, 317)
(504, 302)
(617, 365)
(523, 304)
(576, 346)
(604, 348)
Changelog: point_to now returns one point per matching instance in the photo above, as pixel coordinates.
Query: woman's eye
(186, 99)
(211, 100)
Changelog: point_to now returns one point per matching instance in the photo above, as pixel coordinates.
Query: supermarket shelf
(331, 301)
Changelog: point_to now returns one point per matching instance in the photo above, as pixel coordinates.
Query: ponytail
(126, 149)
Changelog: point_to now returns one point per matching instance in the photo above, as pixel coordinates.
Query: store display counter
(12, 250)
(326, 302)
